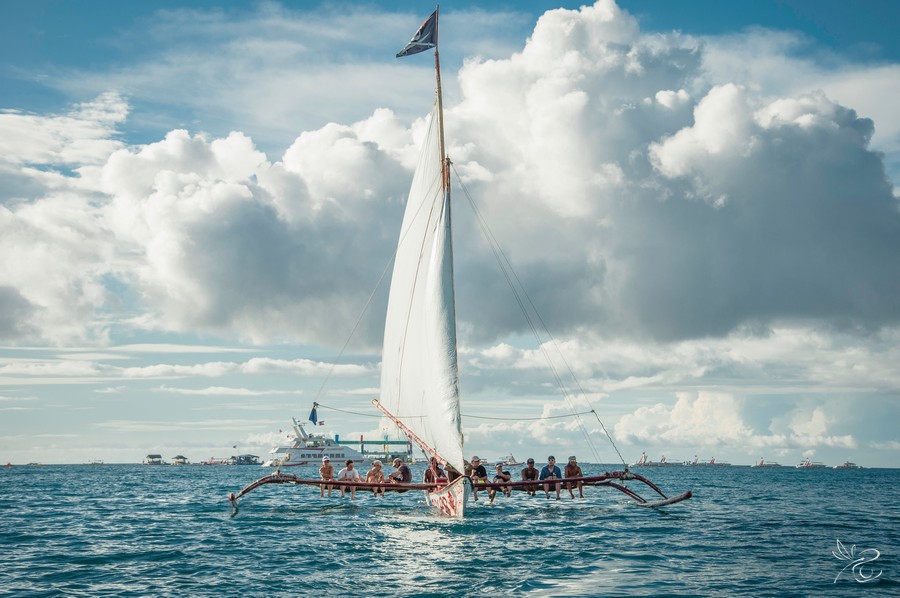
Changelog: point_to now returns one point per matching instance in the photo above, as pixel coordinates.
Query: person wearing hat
(530, 473)
(326, 472)
(376, 476)
(551, 471)
(573, 470)
(499, 476)
(478, 475)
(403, 474)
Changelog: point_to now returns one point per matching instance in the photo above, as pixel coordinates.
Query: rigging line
(351, 412)
(506, 264)
(506, 269)
(514, 419)
(525, 419)
(365, 308)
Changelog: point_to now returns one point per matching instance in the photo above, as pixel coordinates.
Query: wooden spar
(445, 164)
(430, 451)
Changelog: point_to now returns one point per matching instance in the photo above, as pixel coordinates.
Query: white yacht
(308, 449)
(807, 464)
(847, 465)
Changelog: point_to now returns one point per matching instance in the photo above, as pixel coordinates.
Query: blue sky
(197, 199)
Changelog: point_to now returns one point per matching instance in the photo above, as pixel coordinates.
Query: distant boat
(763, 463)
(154, 460)
(712, 462)
(309, 449)
(847, 465)
(510, 461)
(644, 461)
(95, 462)
(807, 464)
(180, 460)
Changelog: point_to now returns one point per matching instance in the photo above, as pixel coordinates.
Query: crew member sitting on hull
(478, 475)
(499, 476)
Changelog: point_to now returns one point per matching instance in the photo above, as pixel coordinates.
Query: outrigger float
(419, 373)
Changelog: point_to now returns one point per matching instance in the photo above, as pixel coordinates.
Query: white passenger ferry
(308, 449)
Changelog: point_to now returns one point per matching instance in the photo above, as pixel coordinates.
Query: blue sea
(136, 530)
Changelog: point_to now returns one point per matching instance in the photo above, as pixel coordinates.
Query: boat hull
(451, 499)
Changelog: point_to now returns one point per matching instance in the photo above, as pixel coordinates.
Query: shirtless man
(529, 474)
(376, 476)
(573, 470)
(326, 472)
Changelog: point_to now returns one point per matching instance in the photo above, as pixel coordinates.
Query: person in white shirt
(349, 474)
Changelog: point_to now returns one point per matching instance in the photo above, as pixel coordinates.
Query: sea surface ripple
(135, 530)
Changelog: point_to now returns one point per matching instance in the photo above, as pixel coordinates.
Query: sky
(199, 202)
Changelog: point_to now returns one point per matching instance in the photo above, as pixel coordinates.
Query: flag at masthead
(425, 38)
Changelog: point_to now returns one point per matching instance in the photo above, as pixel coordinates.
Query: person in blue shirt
(551, 471)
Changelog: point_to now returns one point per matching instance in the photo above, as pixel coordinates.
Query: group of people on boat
(375, 475)
(479, 476)
(529, 473)
(476, 471)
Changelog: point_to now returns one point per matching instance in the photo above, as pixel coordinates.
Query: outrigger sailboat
(419, 376)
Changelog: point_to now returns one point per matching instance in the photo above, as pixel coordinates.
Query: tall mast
(445, 166)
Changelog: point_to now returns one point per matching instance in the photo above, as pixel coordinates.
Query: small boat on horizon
(154, 460)
(180, 460)
(644, 461)
(510, 461)
(847, 465)
(763, 463)
(807, 464)
(695, 462)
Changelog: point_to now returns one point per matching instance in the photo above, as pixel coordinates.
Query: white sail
(419, 378)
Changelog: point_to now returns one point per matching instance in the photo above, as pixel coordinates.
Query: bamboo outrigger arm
(610, 479)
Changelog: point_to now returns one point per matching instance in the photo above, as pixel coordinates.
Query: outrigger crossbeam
(609, 479)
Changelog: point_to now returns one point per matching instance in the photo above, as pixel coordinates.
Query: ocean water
(134, 530)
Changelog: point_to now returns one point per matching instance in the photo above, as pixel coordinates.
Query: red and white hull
(451, 499)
